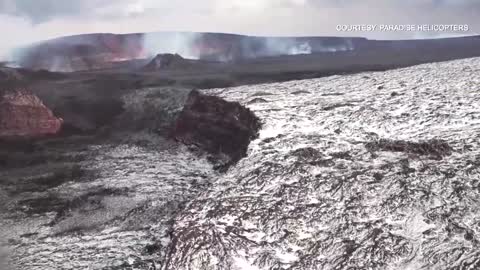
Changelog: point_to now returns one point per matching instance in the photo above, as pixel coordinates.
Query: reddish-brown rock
(23, 114)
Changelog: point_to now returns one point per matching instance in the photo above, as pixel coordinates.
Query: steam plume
(179, 43)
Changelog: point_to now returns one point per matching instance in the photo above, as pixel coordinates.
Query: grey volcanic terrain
(375, 170)
(235, 152)
(83, 78)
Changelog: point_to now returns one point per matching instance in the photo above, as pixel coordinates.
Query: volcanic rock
(174, 62)
(316, 199)
(433, 148)
(221, 128)
(311, 194)
(99, 51)
(10, 78)
(162, 61)
(23, 114)
(9, 74)
(81, 52)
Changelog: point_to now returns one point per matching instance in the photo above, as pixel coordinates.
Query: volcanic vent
(163, 61)
(176, 62)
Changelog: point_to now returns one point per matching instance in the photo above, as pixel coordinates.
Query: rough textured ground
(314, 194)
(368, 171)
(24, 115)
(112, 210)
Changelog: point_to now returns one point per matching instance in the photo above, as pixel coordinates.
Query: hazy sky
(24, 21)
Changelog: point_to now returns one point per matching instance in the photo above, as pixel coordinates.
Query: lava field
(376, 170)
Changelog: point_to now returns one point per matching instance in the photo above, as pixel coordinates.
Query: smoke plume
(175, 43)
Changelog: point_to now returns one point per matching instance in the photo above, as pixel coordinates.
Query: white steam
(346, 46)
(284, 46)
(195, 46)
(303, 48)
(179, 43)
(292, 46)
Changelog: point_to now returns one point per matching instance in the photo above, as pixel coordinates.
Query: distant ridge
(100, 51)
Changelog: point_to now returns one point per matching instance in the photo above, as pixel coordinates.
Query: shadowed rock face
(24, 115)
(222, 128)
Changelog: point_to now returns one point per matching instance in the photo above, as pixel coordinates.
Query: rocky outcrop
(177, 63)
(23, 114)
(223, 129)
(163, 61)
